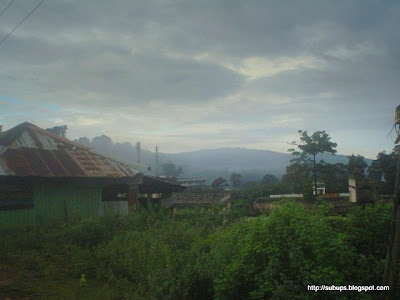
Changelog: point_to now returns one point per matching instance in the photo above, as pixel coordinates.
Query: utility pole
(138, 151)
(392, 258)
(157, 161)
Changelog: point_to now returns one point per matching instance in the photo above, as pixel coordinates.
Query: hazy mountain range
(208, 163)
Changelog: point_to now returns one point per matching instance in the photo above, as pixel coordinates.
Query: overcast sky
(188, 75)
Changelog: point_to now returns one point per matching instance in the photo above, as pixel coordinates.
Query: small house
(44, 176)
(191, 182)
(200, 199)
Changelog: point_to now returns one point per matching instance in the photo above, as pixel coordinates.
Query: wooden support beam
(132, 198)
(391, 273)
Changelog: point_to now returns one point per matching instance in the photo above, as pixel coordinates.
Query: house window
(15, 197)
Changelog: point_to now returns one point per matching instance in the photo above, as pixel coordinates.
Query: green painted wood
(56, 202)
(109, 208)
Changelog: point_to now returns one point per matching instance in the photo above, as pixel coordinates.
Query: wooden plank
(132, 198)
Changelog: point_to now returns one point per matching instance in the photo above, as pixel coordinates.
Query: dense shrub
(277, 256)
(195, 255)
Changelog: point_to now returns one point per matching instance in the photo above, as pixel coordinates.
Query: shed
(45, 177)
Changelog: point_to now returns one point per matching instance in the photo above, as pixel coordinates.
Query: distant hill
(240, 158)
(210, 163)
(252, 164)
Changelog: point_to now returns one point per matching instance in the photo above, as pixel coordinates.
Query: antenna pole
(157, 161)
(138, 151)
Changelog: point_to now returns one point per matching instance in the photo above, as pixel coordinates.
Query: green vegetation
(155, 254)
(383, 171)
(310, 146)
(236, 179)
(170, 170)
(219, 183)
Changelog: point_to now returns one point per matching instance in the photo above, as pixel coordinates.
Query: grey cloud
(118, 75)
(238, 28)
(103, 56)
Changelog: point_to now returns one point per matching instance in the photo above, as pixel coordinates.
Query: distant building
(352, 190)
(362, 190)
(200, 199)
(191, 182)
(320, 188)
(44, 176)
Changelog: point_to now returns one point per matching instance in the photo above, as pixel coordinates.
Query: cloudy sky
(187, 75)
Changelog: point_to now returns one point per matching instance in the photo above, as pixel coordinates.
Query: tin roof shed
(27, 150)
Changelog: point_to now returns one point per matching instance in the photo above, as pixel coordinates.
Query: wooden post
(392, 257)
(132, 198)
(393, 252)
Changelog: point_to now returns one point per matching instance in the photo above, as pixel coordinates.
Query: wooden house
(46, 177)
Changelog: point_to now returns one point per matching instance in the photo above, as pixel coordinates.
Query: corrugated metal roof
(2, 170)
(27, 150)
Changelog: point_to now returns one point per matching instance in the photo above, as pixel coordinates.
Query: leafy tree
(170, 170)
(335, 177)
(250, 184)
(269, 179)
(310, 146)
(84, 141)
(357, 166)
(297, 174)
(236, 180)
(58, 130)
(103, 144)
(219, 183)
(383, 171)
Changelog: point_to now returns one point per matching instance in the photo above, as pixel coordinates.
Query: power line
(6, 7)
(37, 6)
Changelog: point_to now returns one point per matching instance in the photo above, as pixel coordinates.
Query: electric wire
(32, 11)
(6, 7)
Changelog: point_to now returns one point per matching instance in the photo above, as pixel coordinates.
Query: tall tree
(219, 183)
(103, 144)
(335, 176)
(269, 179)
(170, 170)
(298, 175)
(310, 146)
(58, 130)
(357, 166)
(236, 179)
(84, 141)
(383, 171)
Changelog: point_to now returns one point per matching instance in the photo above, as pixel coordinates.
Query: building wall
(352, 190)
(113, 208)
(56, 202)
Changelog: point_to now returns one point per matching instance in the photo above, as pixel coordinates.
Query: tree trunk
(315, 177)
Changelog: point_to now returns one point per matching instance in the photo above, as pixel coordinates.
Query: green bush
(193, 255)
(277, 256)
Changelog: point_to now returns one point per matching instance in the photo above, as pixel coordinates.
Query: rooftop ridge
(138, 166)
(27, 149)
(54, 136)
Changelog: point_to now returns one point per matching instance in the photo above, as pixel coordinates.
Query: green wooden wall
(56, 202)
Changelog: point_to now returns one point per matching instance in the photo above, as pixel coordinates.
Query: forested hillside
(209, 163)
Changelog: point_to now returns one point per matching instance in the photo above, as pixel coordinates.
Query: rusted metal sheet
(2, 170)
(27, 150)
(155, 185)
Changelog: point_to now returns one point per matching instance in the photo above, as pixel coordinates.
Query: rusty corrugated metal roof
(27, 150)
